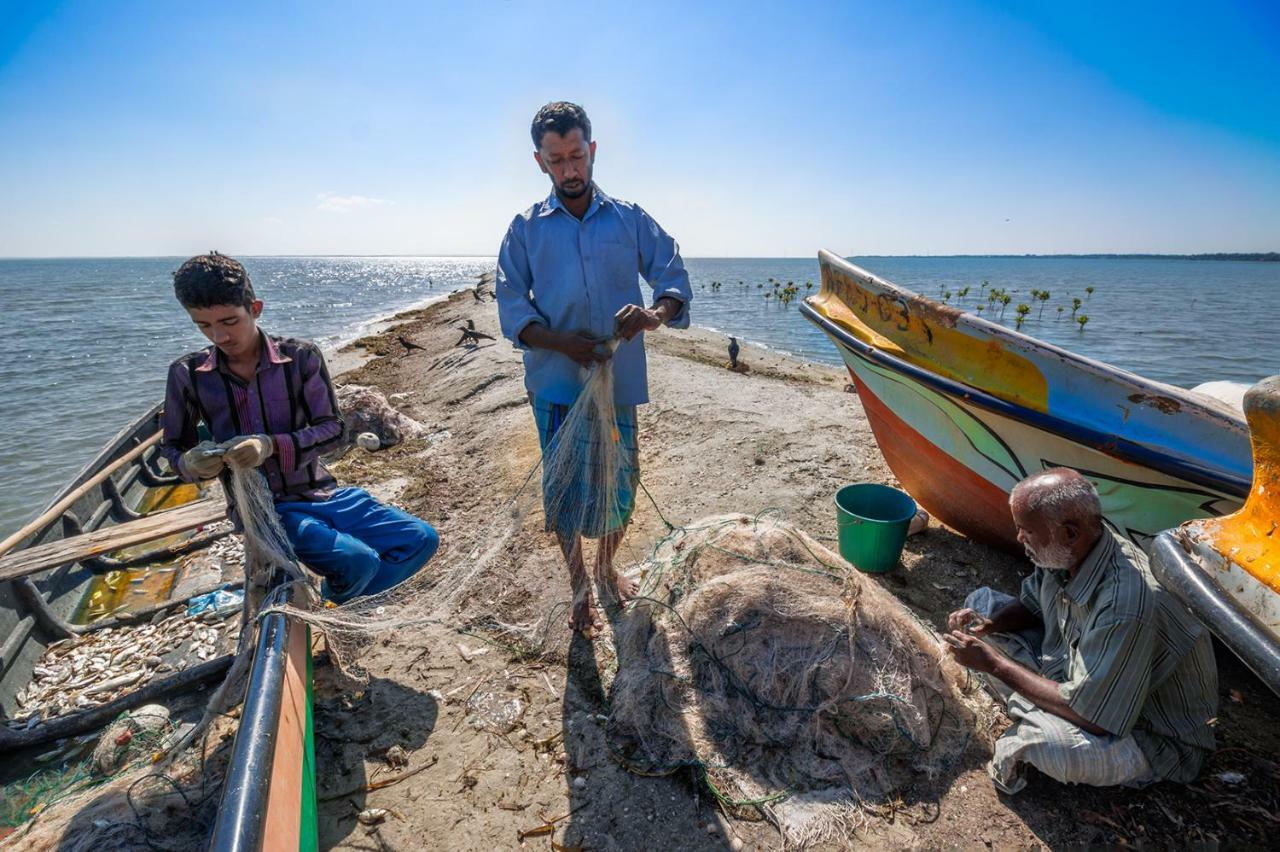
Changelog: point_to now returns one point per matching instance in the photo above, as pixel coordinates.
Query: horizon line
(1134, 254)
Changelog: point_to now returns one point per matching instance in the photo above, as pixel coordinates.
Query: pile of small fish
(229, 549)
(75, 674)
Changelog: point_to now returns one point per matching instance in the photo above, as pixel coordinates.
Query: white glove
(249, 450)
(204, 460)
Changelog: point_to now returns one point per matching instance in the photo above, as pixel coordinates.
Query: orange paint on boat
(283, 824)
(1251, 537)
(951, 492)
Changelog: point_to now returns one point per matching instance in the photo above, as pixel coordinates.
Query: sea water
(85, 343)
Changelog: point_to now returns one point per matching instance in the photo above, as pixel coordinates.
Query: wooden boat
(104, 555)
(963, 409)
(1227, 570)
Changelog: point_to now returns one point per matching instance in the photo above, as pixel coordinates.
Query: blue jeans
(359, 546)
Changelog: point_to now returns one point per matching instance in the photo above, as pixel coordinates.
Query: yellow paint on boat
(118, 592)
(924, 333)
(1251, 537)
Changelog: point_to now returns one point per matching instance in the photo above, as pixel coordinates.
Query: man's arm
(323, 428)
(971, 652)
(180, 422)
(663, 269)
(1042, 692)
(513, 286)
(520, 319)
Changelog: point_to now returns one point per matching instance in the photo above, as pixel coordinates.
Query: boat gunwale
(1100, 369)
(1115, 446)
(1182, 573)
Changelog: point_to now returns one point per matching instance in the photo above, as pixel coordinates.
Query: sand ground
(783, 436)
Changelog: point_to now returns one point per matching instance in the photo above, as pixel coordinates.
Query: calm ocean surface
(84, 344)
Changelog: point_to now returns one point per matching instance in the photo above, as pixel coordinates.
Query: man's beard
(577, 190)
(1055, 557)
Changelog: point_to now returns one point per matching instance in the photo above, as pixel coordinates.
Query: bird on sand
(409, 345)
(470, 336)
(734, 349)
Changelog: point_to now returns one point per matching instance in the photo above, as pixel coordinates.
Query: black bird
(470, 336)
(733, 353)
(408, 344)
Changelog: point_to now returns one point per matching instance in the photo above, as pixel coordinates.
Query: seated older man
(1108, 679)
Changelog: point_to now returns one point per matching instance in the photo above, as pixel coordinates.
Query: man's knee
(309, 536)
(428, 542)
(986, 600)
(330, 552)
(1067, 754)
(420, 542)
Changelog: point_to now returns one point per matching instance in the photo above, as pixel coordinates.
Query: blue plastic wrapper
(221, 602)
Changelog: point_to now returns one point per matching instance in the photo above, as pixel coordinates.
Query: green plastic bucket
(872, 520)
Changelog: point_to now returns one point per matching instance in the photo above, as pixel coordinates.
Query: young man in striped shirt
(1108, 679)
(268, 403)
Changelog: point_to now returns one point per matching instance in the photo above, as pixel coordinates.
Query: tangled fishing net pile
(792, 683)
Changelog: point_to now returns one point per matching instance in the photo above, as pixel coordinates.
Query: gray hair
(1059, 494)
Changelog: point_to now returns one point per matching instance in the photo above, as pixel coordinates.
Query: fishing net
(79, 807)
(787, 681)
(584, 485)
(85, 762)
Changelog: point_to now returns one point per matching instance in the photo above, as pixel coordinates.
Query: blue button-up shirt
(574, 276)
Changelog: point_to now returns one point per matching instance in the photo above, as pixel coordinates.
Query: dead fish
(50, 756)
(114, 683)
(373, 816)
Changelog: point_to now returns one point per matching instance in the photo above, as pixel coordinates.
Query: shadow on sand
(351, 733)
(610, 808)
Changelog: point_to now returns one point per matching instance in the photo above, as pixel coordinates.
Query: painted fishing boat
(120, 552)
(1227, 570)
(963, 408)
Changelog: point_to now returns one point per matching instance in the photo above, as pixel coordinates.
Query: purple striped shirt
(290, 398)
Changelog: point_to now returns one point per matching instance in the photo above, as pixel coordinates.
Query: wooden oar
(77, 547)
(65, 503)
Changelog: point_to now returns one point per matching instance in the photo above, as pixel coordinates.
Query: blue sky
(747, 129)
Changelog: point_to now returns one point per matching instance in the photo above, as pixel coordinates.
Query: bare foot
(582, 616)
(616, 585)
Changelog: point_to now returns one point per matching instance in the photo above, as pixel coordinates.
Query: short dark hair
(559, 117)
(209, 280)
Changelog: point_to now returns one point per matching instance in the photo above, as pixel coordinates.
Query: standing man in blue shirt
(569, 278)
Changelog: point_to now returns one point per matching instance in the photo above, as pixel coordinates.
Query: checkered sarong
(574, 507)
